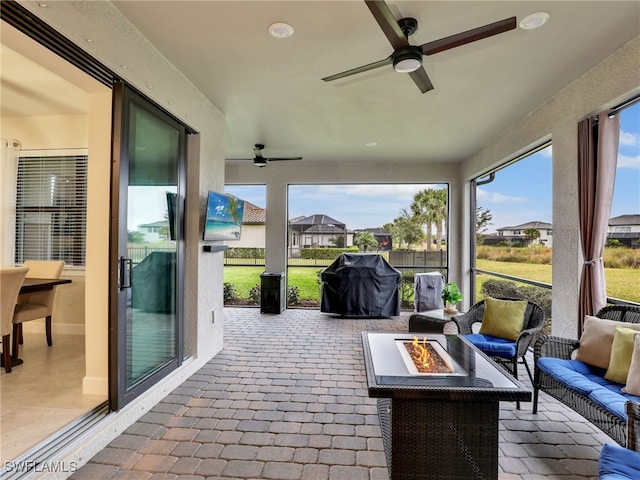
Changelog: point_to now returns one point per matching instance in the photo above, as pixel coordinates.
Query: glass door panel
(154, 154)
(151, 184)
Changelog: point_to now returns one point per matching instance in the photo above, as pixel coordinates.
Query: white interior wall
(55, 132)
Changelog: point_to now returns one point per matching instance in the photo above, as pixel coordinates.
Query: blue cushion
(612, 399)
(589, 381)
(618, 463)
(493, 346)
(573, 373)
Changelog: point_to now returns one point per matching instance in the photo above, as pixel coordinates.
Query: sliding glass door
(146, 255)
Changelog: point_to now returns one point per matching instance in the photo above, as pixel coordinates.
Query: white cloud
(625, 161)
(629, 139)
(495, 197)
(547, 151)
(397, 192)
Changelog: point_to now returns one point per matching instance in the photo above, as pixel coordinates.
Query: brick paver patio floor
(286, 399)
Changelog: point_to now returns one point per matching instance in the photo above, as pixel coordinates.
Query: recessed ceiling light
(89, 40)
(43, 5)
(281, 30)
(371, 144)
(534, 20)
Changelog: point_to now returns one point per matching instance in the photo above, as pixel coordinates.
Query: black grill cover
(361, 285)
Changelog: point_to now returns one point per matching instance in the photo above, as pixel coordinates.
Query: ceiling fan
(407, 58)
(261, 161)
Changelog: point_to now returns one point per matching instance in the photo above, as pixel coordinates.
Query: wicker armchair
(533, 324)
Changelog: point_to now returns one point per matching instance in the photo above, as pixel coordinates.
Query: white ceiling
(270, 90)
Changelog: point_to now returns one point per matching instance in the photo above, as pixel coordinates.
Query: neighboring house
(516, 234)
(155, 231)
(625, 229)
(317, 230)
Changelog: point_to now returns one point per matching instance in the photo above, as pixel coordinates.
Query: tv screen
(224, 217)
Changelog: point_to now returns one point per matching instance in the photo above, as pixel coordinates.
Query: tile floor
(43, 394)
(286, 399)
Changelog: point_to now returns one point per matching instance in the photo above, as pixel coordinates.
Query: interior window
(51, 208)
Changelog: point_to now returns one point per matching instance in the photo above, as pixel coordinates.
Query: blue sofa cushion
(589, 381)
(618, 463)
(574, 374)
(493, 346)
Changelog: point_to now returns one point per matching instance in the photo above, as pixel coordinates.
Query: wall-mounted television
(224, 217)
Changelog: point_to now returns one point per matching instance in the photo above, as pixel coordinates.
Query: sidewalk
(287, 399)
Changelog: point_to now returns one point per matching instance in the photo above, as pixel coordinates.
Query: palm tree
(532, 234)
(364, 240)
(430, 206)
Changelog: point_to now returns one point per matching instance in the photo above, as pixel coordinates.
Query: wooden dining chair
(33, 306)
(10, 282)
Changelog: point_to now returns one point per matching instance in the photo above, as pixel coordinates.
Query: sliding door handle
(125, 277)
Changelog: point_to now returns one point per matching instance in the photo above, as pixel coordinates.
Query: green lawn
(621, 282)
(305, 278)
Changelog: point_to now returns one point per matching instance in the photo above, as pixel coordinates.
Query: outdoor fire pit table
(439, 414)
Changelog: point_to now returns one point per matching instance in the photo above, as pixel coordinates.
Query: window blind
(51, 208)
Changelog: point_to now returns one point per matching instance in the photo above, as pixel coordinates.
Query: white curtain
(8, 186)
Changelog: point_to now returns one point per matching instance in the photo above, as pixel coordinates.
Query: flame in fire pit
(427, 357)
(423, 354)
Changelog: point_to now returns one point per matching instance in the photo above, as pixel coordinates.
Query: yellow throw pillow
(503, 318)
(633, 378)
(621, 351)
(596, 340)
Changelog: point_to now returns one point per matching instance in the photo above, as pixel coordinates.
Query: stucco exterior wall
(606, 85)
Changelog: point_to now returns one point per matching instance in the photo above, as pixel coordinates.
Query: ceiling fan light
(407, 60)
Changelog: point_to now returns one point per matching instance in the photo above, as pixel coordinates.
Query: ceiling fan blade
(388, 23)
(363, 68)
(280, 159)
(469, 36)
(421, 79)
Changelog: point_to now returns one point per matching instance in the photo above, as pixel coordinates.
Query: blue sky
(520, 193)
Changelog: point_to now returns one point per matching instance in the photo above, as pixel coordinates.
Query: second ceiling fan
(260, 160)
(407, 58)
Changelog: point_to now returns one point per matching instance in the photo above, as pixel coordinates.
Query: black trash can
(272, 294)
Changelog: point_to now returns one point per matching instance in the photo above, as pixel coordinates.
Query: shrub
(293, 296)
(229, 292)
(507, 289)
(325, 253)
(406, 289)
(244, 252)
(254, 293)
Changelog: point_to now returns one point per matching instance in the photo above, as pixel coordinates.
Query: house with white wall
(625, 229)
(516, 234)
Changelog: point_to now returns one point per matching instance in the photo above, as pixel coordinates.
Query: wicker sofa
(580, 386)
